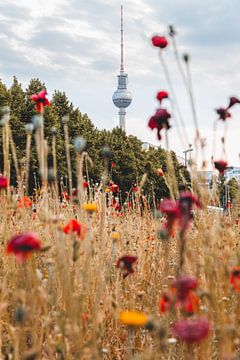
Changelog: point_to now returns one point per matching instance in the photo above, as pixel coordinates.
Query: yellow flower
(107, 190)
(115, 235)
(133, 318)
(90, 207)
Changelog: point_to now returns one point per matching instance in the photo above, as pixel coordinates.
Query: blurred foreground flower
(235, 278)
(160, 121)
(191, 331)
(159, 41)
(182, 296)
(40, 100)
(126, 263)
(23, 245)
(133, 318)
(3, 182)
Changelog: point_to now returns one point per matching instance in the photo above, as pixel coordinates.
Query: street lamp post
(185, 154)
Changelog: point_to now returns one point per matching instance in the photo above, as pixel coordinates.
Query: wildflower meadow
(109, 251)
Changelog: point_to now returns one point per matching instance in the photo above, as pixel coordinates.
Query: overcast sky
(73, 46)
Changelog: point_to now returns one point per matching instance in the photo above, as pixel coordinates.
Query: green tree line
(127, 153)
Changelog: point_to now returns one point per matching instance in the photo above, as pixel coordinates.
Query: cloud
(73, 45)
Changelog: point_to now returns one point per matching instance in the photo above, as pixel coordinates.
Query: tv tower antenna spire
(122, 98)
(122, 64)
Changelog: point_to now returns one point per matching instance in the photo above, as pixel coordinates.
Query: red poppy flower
(162, 95)
(113, 165)
(233, 100)
(160, 121)
(114, 188)
(85, 184)
(165, 303)
(118, 207)
(221, 166)
(126, 263)
(75, 227)
(191, 199)
(3, 182)
(159, 41)
(23, 245)
(235, 278)
(191, 331)
(24, 202)
(40, 100)
(223, 114)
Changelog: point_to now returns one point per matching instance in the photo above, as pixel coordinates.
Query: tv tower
(122, 98)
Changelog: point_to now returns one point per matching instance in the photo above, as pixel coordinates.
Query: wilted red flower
(162, 95)
(235, 278)
(75, 227)
(23, 245)
(126, 263)
(221, 165)
(233, 100)
(114, 188)
(223, 113)
(159, 41)
(40, 100)
(160, 121)
(3, 182)
(24, 202)
(191, 331)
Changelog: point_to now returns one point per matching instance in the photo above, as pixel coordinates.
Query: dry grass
(64, 309)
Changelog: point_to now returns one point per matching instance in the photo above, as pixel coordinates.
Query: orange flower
(133, 318)
(24, 202)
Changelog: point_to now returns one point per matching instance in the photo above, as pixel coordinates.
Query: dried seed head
(79, 144)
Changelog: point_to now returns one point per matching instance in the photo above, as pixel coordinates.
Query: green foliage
(131, 161)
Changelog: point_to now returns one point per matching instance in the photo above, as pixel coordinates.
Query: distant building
(147, 146)
(232, 172)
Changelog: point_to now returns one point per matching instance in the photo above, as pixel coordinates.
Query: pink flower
(160, 121)
(3, 182)
(162, 95)
(223, 113)
(159, 41)
(23, 245)
(40, 100)
(191, 331)
(221, 166)
(233, 100)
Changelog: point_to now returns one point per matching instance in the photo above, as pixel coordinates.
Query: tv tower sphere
(122, 98)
